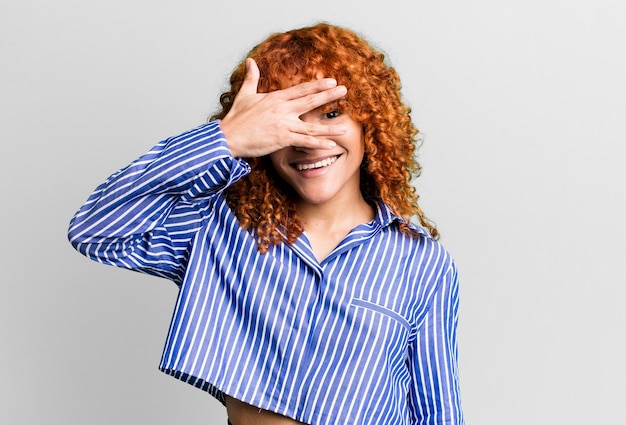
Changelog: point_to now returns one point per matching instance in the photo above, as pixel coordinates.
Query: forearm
(132, 206)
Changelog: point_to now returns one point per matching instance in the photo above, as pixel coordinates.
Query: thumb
(251, 81)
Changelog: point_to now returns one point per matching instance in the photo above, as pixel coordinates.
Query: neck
(327, 224)
(340, 215)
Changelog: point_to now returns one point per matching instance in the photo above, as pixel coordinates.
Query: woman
(306, 295)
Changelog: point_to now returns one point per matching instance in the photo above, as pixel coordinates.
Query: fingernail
(342, 129)
(331, 144)
(331, 82)
(342, 90)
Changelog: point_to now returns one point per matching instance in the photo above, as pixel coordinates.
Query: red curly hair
(264, 202)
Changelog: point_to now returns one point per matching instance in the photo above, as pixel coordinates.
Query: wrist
(230, 138)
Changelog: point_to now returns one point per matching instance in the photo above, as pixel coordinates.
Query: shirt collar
(385, 217)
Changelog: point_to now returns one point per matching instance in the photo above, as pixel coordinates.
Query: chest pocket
(379, 309)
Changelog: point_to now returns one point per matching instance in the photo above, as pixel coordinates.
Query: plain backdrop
(522, 105)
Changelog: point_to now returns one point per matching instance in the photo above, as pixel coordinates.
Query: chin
(317, 199)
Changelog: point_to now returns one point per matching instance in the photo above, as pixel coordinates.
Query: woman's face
(322, 176)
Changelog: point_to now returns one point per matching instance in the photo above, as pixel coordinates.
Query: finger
(315, 100)
(310, 142)
(309, 87)
(315, 136)
(251, 81)
(320, 130)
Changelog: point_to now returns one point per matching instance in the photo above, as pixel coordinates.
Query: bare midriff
(240, 413)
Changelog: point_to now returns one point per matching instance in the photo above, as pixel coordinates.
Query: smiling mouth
(319, 164)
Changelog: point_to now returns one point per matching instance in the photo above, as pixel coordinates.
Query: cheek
(276, 158)
(279, 162)
(273, 160)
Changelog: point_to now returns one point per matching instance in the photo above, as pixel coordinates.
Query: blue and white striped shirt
(366, 336)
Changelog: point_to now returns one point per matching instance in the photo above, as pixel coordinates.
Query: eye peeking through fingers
(331, 114)
(330, 110)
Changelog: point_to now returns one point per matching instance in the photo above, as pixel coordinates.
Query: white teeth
(319, 164)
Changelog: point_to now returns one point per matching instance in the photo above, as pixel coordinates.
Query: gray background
(522, 104)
